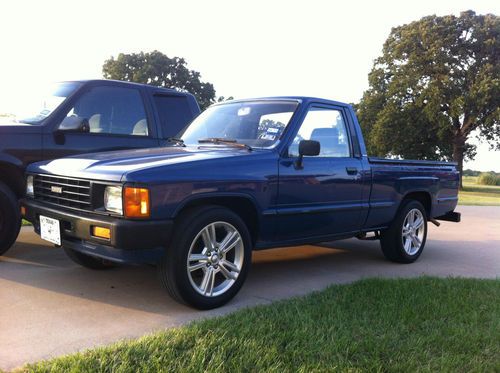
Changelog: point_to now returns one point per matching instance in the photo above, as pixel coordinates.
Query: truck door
(323, 197)
(117, 118)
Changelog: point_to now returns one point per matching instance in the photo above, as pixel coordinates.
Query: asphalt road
(50, 306)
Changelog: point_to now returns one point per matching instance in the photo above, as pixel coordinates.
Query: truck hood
(113, 166)
(17, 128)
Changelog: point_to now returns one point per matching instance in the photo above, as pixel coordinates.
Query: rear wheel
(10, 218)
(405, 239)
(88, 261)
(208, 259)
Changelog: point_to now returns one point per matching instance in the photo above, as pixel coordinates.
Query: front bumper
(132, 241)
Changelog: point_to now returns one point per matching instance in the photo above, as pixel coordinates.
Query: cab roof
(126, 83)
(300, 99)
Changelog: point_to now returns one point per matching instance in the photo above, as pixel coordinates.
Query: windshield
(40, 109)
(254, 123)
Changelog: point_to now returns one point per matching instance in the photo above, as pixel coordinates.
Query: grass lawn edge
(441, 323)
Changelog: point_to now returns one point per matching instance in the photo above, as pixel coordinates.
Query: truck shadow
(275, 274)
(31, 262)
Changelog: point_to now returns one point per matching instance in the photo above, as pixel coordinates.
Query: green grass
(404, 325)
(476, 194)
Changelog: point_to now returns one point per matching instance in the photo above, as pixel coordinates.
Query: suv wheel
(10, 218)
(208, 259)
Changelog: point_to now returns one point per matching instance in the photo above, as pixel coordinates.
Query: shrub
(469, 172)
(488, 178)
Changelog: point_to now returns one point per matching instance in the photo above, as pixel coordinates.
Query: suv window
(327, 126)
(175, 113)
(113, 110)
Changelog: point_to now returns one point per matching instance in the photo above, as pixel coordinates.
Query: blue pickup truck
(81, 117)
(244, 175)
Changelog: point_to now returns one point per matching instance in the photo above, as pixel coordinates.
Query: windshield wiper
(224, 141)
(176, 141)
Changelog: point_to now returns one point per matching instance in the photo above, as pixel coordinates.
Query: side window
(175, 113)
(113, 110)
(326, 126)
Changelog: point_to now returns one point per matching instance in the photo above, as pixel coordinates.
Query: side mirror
(74, 124)
(309, 148)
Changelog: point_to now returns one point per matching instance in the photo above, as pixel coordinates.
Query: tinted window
(175, 113)
(113, 110)
(326, 126)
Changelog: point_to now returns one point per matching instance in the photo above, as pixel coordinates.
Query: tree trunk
(458, 154)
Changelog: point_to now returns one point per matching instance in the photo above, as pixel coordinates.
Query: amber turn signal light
(101, 232)
(136, 202)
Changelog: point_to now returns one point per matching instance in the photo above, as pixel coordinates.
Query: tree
(436, 84)
(157, 69)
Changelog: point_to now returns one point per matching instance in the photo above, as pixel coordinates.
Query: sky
(245, 48)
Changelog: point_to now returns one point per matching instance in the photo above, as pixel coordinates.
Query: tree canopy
(157, 69)
(437, 81)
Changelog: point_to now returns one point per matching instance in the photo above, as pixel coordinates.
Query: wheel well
(423, 197)
(13, 178)
(241, 206)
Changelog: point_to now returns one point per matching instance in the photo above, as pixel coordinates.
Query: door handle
(351, 170)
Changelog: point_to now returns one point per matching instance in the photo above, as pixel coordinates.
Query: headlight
(30, 190)
(113, 199)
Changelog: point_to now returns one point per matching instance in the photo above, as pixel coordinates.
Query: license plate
(50, 230)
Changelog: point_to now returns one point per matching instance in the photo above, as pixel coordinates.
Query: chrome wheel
(215, 259)
(413, 231)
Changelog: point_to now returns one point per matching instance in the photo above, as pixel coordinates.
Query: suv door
(323, 197)
(117, 118)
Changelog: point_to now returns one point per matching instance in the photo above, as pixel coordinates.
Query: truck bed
(411, 162)
(434, 182)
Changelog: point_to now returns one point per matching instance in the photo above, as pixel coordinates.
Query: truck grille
(62, 191)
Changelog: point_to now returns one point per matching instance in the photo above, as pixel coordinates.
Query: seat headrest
(325, 132)
(141, 128)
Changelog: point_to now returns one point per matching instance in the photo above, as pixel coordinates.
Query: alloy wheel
(413, 231)
(215, 259)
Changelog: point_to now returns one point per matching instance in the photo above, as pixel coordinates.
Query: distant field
(480, 195)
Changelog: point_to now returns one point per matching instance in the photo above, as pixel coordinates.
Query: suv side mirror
(309, 148)
(74, 124)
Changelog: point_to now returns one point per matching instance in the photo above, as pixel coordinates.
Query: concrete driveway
(50, 306)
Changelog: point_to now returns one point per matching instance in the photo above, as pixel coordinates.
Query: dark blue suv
(81, 117)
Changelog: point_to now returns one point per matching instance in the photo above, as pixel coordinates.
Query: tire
(88, 261)
(403, 242)
(218, 269)
(10, 218)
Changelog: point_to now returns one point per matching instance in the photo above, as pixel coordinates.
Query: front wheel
(405, 239)
(208, 259)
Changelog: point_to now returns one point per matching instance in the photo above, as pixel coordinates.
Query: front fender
(213, 197)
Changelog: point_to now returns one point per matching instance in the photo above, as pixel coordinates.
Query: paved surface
(50, 306)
